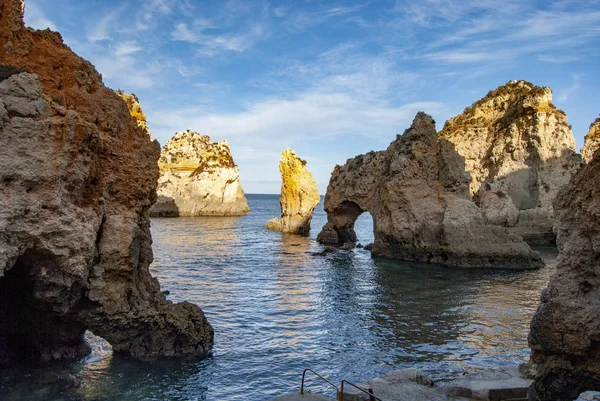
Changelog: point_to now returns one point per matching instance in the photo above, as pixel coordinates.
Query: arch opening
(34, 311)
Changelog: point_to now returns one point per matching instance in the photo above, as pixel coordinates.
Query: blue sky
(330, 79)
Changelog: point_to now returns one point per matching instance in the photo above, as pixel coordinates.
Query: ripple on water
(277, 309)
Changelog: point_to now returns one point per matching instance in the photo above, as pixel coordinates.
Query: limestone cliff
(565, 330)
(77, 177)
(299, 195)
(135, 109)
(418, 194)
(592, 141)
(520, 151)
(198, 178)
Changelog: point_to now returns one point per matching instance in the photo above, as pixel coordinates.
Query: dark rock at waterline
(368, 247)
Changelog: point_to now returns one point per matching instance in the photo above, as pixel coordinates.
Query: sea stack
(591, 142)
(77, 177)
(418, 194)
(299, 195)
(519, 151)
(198, 178)
(565, 330)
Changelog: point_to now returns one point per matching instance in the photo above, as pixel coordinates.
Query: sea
(278, 306)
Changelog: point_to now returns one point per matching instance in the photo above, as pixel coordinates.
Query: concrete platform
(491, 385)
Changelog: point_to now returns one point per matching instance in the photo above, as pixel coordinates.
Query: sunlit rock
(77, 177)
(592, 141)
(417, 191)
(565, 330)
(299, 195)
(198, 178)
(519, 149)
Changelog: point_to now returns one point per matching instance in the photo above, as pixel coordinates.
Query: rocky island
(198, 177)
(299, 195)
(78, 176)
(417, 191)
(519, 151)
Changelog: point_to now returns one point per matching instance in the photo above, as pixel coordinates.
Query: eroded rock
(418, 194)
(77, 177)
(198, 178)
(299, 195)
(565, 330)
(591, 142)
(518, 149)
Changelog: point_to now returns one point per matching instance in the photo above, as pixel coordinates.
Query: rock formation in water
(299, 195)
(77, 177)
(520, 151)
(565, 330)
(592, 141)
(418, 194)
(198, 178)
(135, 109)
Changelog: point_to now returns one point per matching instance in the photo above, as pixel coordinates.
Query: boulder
(198, 178)
(417, 191)
(591, 141)
(565, 330)
(77, 177)
(518, 146)
(299, 196)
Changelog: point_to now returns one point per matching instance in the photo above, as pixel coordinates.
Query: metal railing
(339, 392)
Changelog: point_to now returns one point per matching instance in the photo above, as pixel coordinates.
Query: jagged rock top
(591, 142)
(190, 151)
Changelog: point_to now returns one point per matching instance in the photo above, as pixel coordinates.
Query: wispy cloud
(211, 44)
(103, 28)
(35, 18)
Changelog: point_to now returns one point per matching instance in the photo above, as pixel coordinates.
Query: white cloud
(128, 47)
(35, 18)
(104, 27)
(211, 44)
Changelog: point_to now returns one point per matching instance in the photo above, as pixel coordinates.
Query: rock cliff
(565, 330)
(198, 178)
(418, 194)
(520, 151)
(592, 141)
(77, 177)
(299, 195)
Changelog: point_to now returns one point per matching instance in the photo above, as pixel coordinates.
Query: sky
(330, 79)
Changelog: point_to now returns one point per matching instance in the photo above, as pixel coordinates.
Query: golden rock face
(519, 150)
(299, 195)
(592, 142)
(198, 177)
(135, 109)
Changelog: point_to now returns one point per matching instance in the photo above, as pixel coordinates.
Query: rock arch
(417, 191)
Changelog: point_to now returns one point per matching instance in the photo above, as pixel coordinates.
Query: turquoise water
(277, 309)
